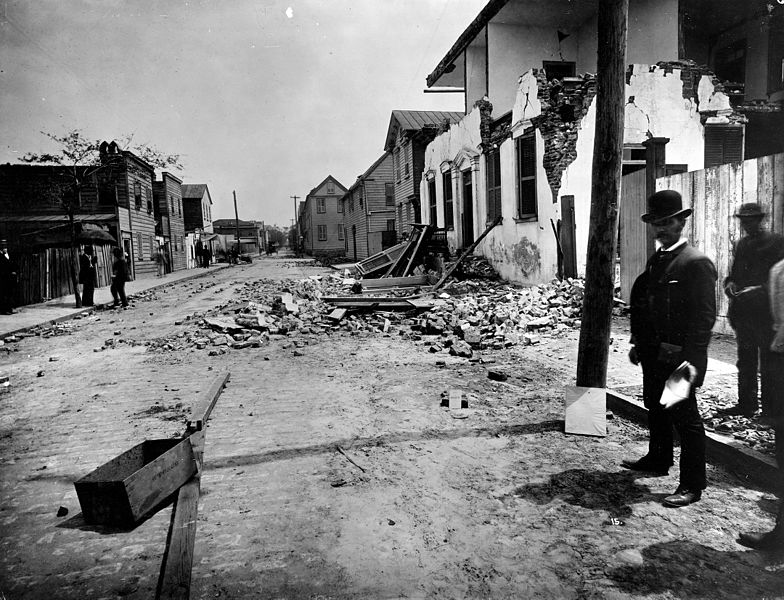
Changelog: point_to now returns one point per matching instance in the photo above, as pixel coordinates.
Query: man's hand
(731, 289)
(634, 358)
(778, 342)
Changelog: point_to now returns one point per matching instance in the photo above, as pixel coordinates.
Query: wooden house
(169, 220)
(408, 134)
(369, 210)
(320, 219)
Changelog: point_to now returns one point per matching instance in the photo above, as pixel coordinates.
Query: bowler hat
(749, 209)
(663, 205)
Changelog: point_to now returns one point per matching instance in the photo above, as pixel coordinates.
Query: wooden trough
(125, 489)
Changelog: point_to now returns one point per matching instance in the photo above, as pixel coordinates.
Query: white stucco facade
(525, 250)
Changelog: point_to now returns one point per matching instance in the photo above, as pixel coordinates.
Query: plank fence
(46, 274)
(714, 194)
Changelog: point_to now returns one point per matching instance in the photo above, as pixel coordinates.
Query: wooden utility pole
(605, 192)
(236, 221)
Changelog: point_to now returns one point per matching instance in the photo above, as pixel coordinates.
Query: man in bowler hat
(673, 309)
(749, 312)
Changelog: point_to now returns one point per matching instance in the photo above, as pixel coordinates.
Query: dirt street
(492, 501)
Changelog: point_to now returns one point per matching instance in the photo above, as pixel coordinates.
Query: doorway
(468, 209)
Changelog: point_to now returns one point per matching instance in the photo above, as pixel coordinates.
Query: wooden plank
(386, 282)
(201, 412)
(777, 216)
(363, 300)
(468, 251)
(337, 314)
(174, 579)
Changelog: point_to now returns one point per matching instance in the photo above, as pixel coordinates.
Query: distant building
(170, 220)
(321, 219)
(251, 235)
(369, 211)
(408, 134)
(197, 213)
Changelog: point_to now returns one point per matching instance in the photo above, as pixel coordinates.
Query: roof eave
(470, 33)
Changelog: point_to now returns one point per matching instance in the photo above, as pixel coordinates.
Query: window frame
(389, 194)
(449, 200)
(493, 195)
(321, 205)
(432, 202)
(322, 237)
(527, 208)
(341, 231)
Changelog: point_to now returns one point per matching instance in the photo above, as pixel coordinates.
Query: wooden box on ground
(125, 489)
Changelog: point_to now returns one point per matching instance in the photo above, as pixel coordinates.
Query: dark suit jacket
(674, 301)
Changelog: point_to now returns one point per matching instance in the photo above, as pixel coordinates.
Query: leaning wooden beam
(201, 412)
(468, 251)
(174, 580)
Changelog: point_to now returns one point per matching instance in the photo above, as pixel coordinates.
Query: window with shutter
(448, 201)
(431, 197)
(723, 144)
(493, 160)
(525, 148)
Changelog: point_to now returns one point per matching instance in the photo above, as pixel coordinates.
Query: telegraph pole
(296, 226)
(594, 344)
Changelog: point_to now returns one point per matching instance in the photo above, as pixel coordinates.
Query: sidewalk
(63, 308)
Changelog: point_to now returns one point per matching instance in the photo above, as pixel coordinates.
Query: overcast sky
(263, 97)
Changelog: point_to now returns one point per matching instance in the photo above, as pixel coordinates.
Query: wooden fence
(47, 274)
(714, 194)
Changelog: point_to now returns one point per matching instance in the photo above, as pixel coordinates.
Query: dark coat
(674, 302)
(120, 270)
(87, 268)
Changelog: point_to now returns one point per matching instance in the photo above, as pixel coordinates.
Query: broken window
(723, 144)
(525, 148)
(322, 233)
(321, 205)
(431, 197)
(389, 194)
(493, 160)
(556, 69)
(449, 210)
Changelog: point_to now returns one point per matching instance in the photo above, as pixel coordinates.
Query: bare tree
(77, 163)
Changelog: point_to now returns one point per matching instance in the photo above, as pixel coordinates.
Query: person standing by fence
(87, 274)
(749, 311)
(7, 280)
(119, 277)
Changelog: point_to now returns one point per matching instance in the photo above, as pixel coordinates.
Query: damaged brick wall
(691, 74)
(564, 104)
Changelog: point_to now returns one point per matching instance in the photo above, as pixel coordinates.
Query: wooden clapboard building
(170, 220)
(320, 219)
(408, 134)
(369, 211)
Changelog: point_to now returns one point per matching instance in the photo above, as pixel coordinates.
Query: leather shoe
(647, 465)
(735, 411)
(682, 497)
(761, 540)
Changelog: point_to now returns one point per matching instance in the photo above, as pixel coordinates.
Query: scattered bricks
(461, 348)
(530, 339)
(497, 375)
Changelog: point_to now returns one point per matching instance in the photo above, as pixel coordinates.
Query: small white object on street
(586, 410)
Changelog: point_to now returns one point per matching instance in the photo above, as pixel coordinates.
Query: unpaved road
(496, 504)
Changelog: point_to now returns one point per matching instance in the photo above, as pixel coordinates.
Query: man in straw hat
(749, 311)
(673, 309)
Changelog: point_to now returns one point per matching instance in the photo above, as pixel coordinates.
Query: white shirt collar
(675, 246)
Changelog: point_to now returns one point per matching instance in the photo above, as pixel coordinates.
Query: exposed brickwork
(564, 104)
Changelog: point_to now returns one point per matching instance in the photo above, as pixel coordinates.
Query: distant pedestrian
(206, 256)
(7, 280)
(119, 277)
(160, 263)
(199, 253)
(87, 273)
(774, 540)
(749, 310)
(673, 309)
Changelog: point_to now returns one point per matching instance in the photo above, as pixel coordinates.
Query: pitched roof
(327, 178)
(416, 120)
(368, 172)
(193, 190)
